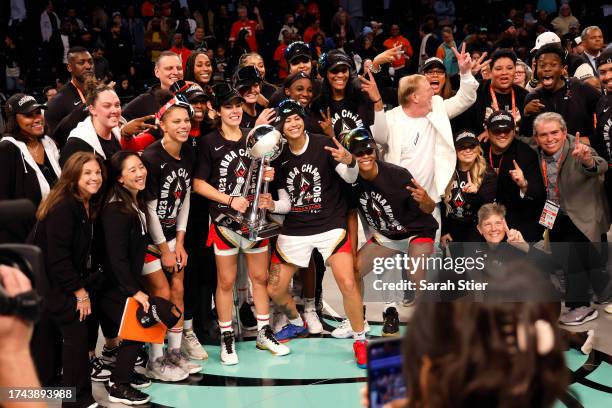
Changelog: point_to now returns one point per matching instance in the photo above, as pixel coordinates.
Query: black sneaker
(137, 381)
(143, 358)
(127, 395)
(391, 322)
(109, 356)
(247, 319)
(99, 372)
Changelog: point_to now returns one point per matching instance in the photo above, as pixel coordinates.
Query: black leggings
(111, 305)
(60, 342)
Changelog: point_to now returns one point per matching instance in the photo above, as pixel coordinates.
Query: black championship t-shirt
(388, 206)
(345, 116)
(168, 180)
(603, 140)
(248, 121)
(224, 164)
(110, 146)
(314, 188)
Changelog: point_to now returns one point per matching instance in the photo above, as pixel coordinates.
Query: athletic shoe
(312, 321)
(163, 369)
(578, 316)
(191, 346)
(344, 331)
(99, 372)
(267, 341)
(587, 347)
(143, 358)
(608, 309)
(279, 320)
(360, 348)
(391, 322)
(228, 348)
(180, 359)
(291, 331)
(109, 356)
(247, 319)
(137, 381)
(127, 395)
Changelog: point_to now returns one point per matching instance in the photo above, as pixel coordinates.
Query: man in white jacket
(419, 129)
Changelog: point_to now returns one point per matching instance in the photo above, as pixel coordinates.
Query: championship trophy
(263, 144)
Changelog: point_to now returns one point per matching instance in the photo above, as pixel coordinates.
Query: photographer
(64, 233)
(15, 334)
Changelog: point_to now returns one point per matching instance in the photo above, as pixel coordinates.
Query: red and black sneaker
(360, 347)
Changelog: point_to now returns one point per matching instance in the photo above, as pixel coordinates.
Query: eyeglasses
(367, 152)
(435, 72)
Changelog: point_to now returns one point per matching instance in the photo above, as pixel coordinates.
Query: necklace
(35, 151)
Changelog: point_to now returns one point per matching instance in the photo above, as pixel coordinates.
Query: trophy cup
(263, 144)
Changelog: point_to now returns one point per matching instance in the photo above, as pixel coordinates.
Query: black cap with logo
(499, 121)
(22, 104)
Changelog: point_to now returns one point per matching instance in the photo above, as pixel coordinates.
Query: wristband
(230, 201)
(375, 71)
(82, 299)
(378, 100)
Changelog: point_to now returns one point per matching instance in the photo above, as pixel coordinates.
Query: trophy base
(262, 229)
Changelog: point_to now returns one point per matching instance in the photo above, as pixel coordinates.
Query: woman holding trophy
(221, 175)
(310, 173)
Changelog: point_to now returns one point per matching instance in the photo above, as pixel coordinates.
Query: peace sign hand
(426, 204)
(464, 60)
(368, 85)
(340, 154)
(479, 64)
(469, 187)
(582, 153)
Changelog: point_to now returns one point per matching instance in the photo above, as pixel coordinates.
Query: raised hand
(388, 56)
(326, 124)
(266, 117)
(136, 126)
(464, 59)
(469, 187)
(582, 153)
(340, 154)
(479, 64)
(368, 85)
(517, 176)
(426, 204)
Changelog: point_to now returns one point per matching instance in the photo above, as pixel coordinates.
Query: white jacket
(388, 132)
(86, 132)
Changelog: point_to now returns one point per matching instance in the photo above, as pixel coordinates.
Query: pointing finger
(417, 185)
(516, 166)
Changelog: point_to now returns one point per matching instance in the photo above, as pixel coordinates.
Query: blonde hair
(477, 173)
(407, 86)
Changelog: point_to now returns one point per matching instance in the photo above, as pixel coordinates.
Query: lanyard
(545, 174)
(496, 104)
(501, 159)
(78, 90)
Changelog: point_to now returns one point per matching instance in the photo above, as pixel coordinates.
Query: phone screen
(385, 374)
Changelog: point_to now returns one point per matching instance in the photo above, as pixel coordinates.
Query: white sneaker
(312, 320)
(228, 348)
(267, 341)
(162, 369)
(608, 309)
(191, 346)
(180, 359)
(344, 331)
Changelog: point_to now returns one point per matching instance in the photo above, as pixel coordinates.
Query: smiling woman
(99, 132)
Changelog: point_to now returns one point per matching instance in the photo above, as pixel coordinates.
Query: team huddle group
(130, 198)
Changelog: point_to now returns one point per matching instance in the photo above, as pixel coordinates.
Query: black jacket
(65, 237)
(18, 179)
(125, 242)
(523, 213)
(66, 100)
(575, 101)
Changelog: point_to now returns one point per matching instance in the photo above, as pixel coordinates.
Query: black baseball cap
(196, 93)
(605, 57)
(333, 59)
(224, 93)
(466, 138)
(23, 104)
(288, 107)
(500, 120)
(358, 140)
(297, 49)
(246, 77)
(160, 311)
(433, 62)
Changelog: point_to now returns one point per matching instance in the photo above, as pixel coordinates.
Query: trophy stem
(253, 221)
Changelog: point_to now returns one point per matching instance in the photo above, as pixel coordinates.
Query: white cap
(578, 40)
(584, 71)
(546, 38)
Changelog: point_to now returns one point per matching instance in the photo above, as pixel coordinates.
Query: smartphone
(385, 372)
